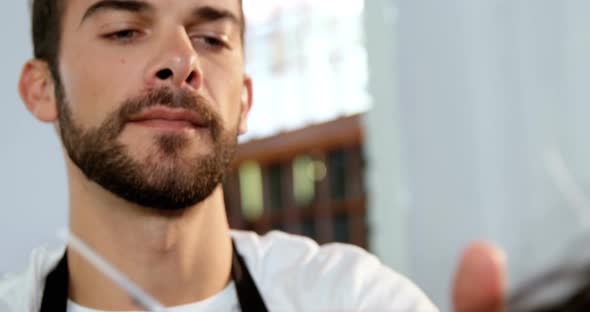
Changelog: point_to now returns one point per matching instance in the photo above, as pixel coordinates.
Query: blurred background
(407, 127)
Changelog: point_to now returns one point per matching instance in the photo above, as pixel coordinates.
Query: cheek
(227, 102)
(225, 89)
(94, 89)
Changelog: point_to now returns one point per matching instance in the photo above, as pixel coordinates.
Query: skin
(480, 280)
(179, 257)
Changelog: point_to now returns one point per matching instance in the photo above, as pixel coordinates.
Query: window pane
(275, 183)
(303, 180)
(251, 190)
(337, 173)
(308, 228)
(341, 228)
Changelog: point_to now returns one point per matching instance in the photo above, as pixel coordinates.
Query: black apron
(55, 295)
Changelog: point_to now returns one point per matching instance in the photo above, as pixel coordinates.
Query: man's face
(152, 95)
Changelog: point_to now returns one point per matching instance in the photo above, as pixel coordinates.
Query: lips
(163, 117)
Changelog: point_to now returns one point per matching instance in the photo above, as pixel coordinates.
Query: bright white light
(261, 11)
(307, 60)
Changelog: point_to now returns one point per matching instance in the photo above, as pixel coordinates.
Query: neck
(177, 258)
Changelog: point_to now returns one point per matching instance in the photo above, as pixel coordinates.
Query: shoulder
(295, 273)
(22, 291)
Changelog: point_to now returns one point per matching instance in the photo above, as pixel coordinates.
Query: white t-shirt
(226, 300)
(292, 273)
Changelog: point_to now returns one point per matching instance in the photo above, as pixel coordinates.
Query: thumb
(480, 280)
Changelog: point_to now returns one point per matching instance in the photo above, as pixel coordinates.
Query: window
(308, 183)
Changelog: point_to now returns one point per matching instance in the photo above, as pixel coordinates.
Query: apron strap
(55, 294)
(248, 294)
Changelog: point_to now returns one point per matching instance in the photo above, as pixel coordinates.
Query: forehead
(78, 8)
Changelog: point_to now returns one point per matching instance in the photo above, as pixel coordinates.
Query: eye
(123, 36)
(211, 42)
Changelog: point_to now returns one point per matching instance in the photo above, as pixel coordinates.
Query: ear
(245, 104)
(37, 90)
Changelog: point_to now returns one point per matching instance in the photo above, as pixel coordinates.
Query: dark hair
(47, 29)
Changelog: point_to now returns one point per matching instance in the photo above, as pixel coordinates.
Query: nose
(175, 63)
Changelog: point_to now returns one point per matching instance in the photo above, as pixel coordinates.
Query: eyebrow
(133, 6)
(212, 14)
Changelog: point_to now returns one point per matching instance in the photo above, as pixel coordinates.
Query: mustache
(166, 97)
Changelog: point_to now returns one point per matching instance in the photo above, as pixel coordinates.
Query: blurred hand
(480, 279)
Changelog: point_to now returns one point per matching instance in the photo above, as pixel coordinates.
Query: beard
(165, 179)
